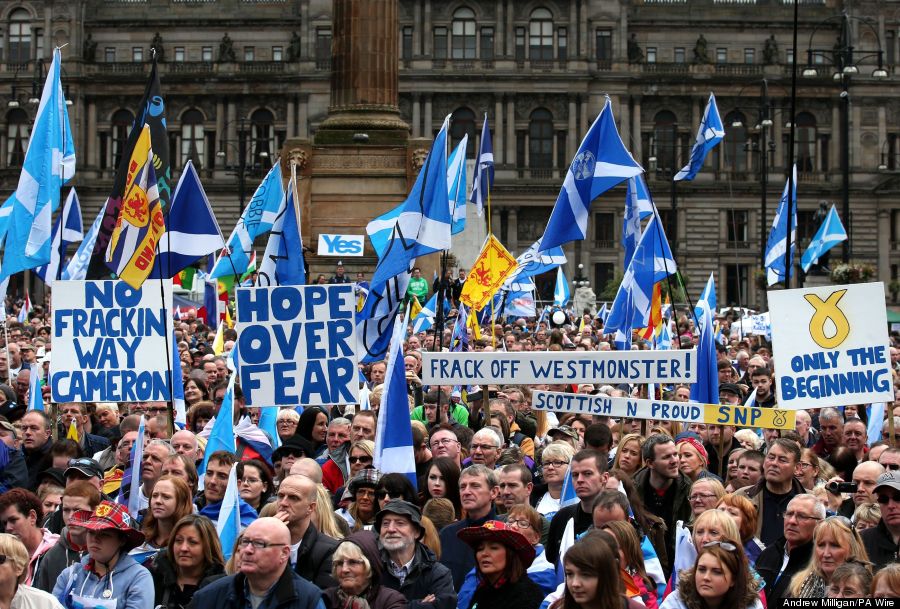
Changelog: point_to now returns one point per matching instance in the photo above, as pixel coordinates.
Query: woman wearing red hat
(502, 557)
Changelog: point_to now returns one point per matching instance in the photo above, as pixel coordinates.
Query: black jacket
(378, 595)
(56, 560)
(290, 592)
(879, 544)
(426, 576)
(455, 553)
(768, 565)
(314, 558)
(522, 594)
(37, 461)
(165, 581)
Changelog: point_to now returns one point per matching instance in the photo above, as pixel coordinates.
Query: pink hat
(695, 443)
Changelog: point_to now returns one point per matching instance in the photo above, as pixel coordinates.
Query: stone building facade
(240, 77)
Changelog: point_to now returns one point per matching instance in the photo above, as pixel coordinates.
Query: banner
(297, 345)
(493, 266)
(109, 341)
(658, 410)
(556, 367)
(341, 245)
(831, 346)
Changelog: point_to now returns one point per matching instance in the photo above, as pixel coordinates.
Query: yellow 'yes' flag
(492, 267)
(415, 307)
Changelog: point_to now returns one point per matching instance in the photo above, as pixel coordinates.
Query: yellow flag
(472, 322)
(415, 307)
(492, 267)
(581, 325)
(219, 342)
(72, 434)
(228, 321)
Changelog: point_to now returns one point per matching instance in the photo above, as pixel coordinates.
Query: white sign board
(831, 346)
(341, 245)
(110, 340)
(297, 345)
(559, 367)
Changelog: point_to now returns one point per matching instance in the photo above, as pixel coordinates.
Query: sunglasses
(728, 547)
(365, 459)
(885, 499)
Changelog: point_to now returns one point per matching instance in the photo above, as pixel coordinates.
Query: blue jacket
(130, 584)
(290, 592)
(540, 572)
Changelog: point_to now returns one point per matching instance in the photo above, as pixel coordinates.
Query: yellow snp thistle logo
(827, 309)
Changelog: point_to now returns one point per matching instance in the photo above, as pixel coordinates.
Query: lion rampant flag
(492, 267)
(132, 246)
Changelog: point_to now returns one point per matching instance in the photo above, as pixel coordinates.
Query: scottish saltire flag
(706, 389)
(751, 401)
(642, 201)
(602, 162)
(425, 319)
(178, 404)
(228, 526)
(364, 394)
(776, 245)
(77, 268)
(283, 262)
(393, 438)
(603, 313)
(49, 163)
(132, 248)
(664, 341)
(631, 222)
(484, 170)
(191, 228)
(25, 309)
(652, 263)
(137, 459)
(710, 133)
(829, 234)
(567, 496)
(520, 303)
(67, 229)
(534, 261)
(666, 310)
(456, 185)
(258, 218)
(685, 552)
(561, 292)
(380, 229)
(875, 426)
(5, 213)
(222, 436)
(35, 399)
(459, 338)
(709, 297)
(622, 334)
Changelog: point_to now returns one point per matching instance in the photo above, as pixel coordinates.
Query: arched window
(193, 143)
(735, 141)
(540, 140)
(19, 36)
(461, 123)
(540, 35)
(17, 133)
(806, 142)
(462, 42)
(121, 123)
(664, 138)
(262, 138)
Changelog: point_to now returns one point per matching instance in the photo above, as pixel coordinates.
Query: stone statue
(89, 49)
(156, 46)
(294, 48)
(700, 54)
(585, 299)
(770, 51)
(635, 54)
(226, 49)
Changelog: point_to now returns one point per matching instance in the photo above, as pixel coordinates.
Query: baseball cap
(85, 467)
(889, 479)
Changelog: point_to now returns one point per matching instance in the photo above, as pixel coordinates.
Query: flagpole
(791, 139)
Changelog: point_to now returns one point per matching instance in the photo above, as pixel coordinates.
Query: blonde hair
(348, 549)
(868, 512)
(629, 437)
(720, 520)
(559, 449)
(288, 413)
(843, 535)
(16, 553)
(323, 516)
(714, 486)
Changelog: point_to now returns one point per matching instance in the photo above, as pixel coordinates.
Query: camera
(836, 488)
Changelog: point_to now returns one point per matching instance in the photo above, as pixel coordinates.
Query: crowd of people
(666, 515)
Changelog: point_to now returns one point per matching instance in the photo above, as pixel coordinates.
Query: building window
(406, 43)
(808, 223)
(440, 43)
(17, 133)
(605, 230)
(651, 54)
(137, 54)
(749, 55)
(562, 43)
(19, 36)
(737, 284)
(604, 45)
(249, 54)
(669, 219)
(323, 48)
(121, 123)
(790, 56)
(721, 55)
(664, 139)
(890, 47)
(487, 43)
(277, 53)
(735, 140)
(604, 272)
(540, 136)
(520, 44)
(679, 55)
(39, 44)
(206, 54)
(738, 222)
(540, 35)
(179, 53)
(262, 138)
(806, 142)
(193, 141)
(463, 41)
(109, 54)
(462, 123)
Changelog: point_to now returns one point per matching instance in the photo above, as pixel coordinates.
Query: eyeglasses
(250, 480)
(701, 496)
(484, 447)
(219, 400)
(383, 495)
(444, 442)
(885, 499)
(728, 547)
(365, 492)
(350, 562)
(362, 459)
(555, 463)
(259, 544)
(286, 423)
(522, 524)
(805, 465)
(3, 559)
(81, 461)
(800, 517)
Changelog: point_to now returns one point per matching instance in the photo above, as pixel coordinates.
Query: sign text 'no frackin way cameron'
(109, 341)
(557, 367)
(297, 345)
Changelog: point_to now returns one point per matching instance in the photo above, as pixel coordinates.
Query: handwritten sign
(297, 345)
(831, 346)
(555, 367)
(109, 341)
(659, 410)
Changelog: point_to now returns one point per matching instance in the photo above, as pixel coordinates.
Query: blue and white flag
(561, 293)
(459, 338)
(484, 170)
(283, 262)
(631, 222)
(191, 228)
(25, 309)
(77, 268)
(373, 335)
(456, 185)
(875, 426)
(603, 313)
(5, 213)
(393, 438)
(35, 399)
(520, 303)
(829, 234)
(602, 162)
(49, 163)
(67, 229)
(706, 389)
(178, 404)
(709, 297)
(664, 341)
(228, 526)
(776, 246)
(137, 461)
(221, 436)
(381, 228)
(568, 496)
(685, 552)
(643, 202)
(256, 220)
(710, 133)
(425, 319)
(534, 261)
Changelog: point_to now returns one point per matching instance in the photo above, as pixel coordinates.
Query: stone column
(512, 230)
(510, 30)
(882, 134)
(572, 135)
(573, 29)
(500, 32)
(91, 137)
(499, 140)
(778, 130)
(511, 130)
(429, 120)
(582, 30)
(884, 246)
(637, 136)
(417, 28)
(291, 117)
(625, 123)
(426, 29)
(855, 144)
(232, 144)
(495, 218)
(303, 117)
(417, 115)
(834, 154)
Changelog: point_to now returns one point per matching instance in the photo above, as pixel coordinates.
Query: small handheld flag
(137, 459)
(561, 292)
(709, 297)
(35, 399)
(228, 526)
(776, 246)
(710, 133)
(484, 170)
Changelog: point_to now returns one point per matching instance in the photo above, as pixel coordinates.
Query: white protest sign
(831, 346)
(297, 345)
(661, 410)
(109, 341)
(557, 367)
(341, 245)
